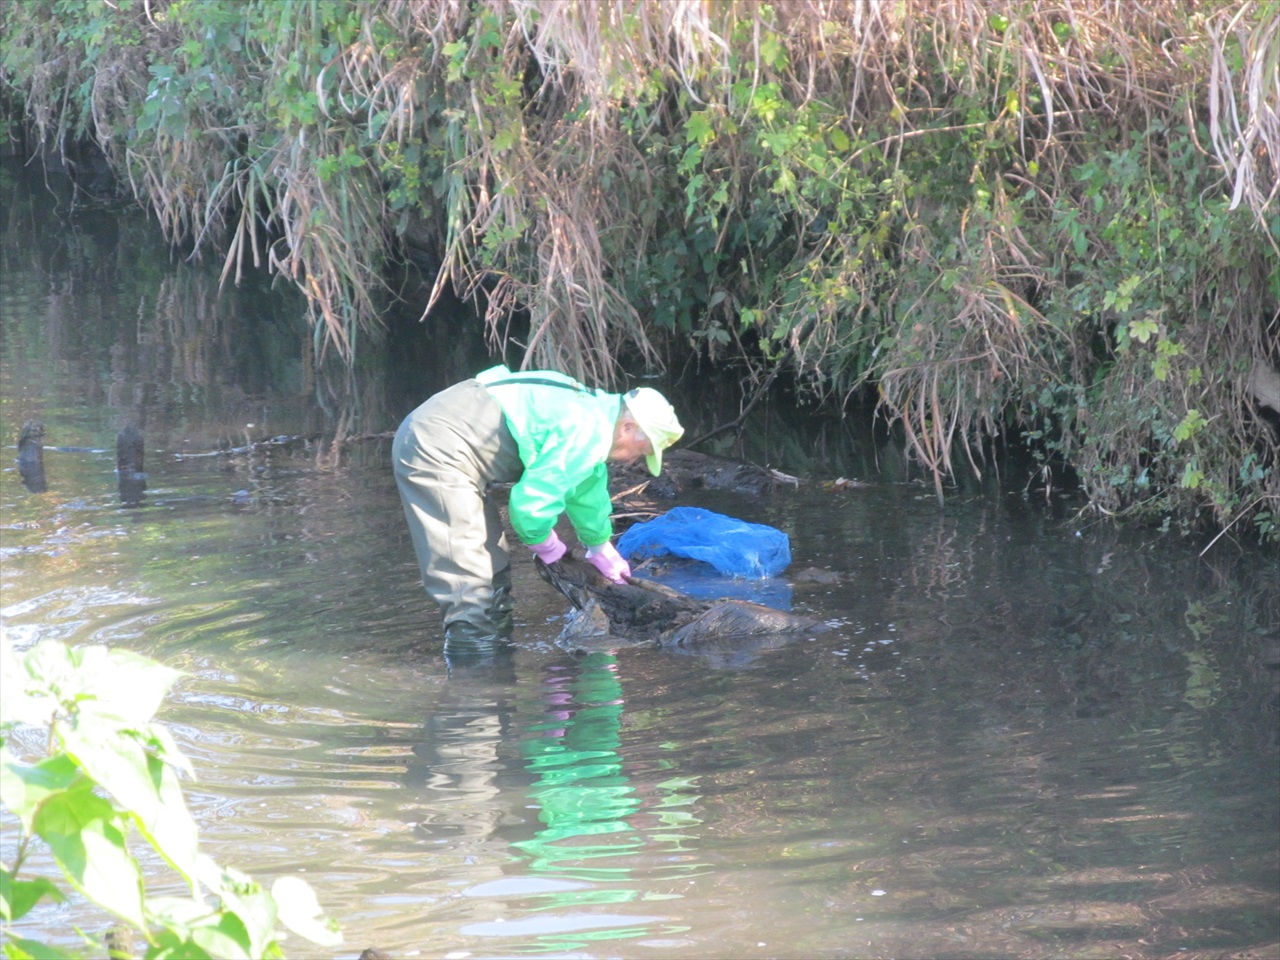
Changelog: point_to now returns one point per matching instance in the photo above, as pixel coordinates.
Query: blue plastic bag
(732, 546)
(705, 582)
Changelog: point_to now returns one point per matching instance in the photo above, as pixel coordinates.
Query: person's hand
(549, 550)
(609, 562)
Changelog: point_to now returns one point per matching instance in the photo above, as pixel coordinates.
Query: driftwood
(642, 611)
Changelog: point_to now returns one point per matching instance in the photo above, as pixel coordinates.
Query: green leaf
(505, 138)
(226, 939)
(24, 786)
(839, 140)
(124, 687)
(143, 785)
(17, 948)
(246, 899)
(172, 945)
(1143, 329)
(79, 829)
(31, 682)
(1191, 424)
(698, 129)
(115, 685)
(17, 897)
(300, 912)
(772, 52)
(166, 749)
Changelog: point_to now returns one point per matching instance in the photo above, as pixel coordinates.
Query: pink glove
(549, 550)
(609, 562)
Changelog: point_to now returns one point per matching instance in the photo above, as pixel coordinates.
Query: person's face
(629, 442)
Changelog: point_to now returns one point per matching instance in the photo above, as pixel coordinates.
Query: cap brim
(654, 461)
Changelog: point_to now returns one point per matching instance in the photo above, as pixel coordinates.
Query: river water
(1028, 734)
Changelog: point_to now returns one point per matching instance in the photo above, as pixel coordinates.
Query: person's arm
(589, 508)
(552, 484)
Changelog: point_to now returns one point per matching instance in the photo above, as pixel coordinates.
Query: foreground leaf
(79, 829)
(16, 948)
(300, 911)
(17, 897)
(24, 786)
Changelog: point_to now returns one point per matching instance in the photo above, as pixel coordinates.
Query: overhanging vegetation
(1051, 222)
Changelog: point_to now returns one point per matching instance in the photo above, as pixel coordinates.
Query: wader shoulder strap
(542, 382)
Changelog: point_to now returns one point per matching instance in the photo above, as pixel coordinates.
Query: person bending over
(548, 435)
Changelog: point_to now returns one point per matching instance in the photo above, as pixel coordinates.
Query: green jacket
(564, 436)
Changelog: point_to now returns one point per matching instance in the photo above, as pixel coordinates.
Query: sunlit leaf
(124, 687)
(172, 945)
(143, 785)
(245, 898)
(167, 750)
(33, 681)
(24, 786)
(79, 829)
(226, 939)
(170, 827)
(300, 912)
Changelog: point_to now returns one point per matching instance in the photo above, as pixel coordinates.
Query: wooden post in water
(31, 456)
(130, 475)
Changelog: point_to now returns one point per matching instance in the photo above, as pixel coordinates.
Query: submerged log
(31, 456)
(130, 476)
(643, 611)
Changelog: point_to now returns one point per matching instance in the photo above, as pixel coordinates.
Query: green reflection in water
(586, 804)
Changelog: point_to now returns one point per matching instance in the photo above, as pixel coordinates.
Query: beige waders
(446, 454)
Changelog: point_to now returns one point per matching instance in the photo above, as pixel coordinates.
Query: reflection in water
(457, 764)
(583, 795)
(586, 856)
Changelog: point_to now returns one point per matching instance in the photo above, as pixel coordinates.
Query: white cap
(657, 419)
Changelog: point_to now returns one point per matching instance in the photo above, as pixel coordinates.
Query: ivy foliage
(1041, 223)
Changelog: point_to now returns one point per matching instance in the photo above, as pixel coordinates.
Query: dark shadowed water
(1027, 735)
